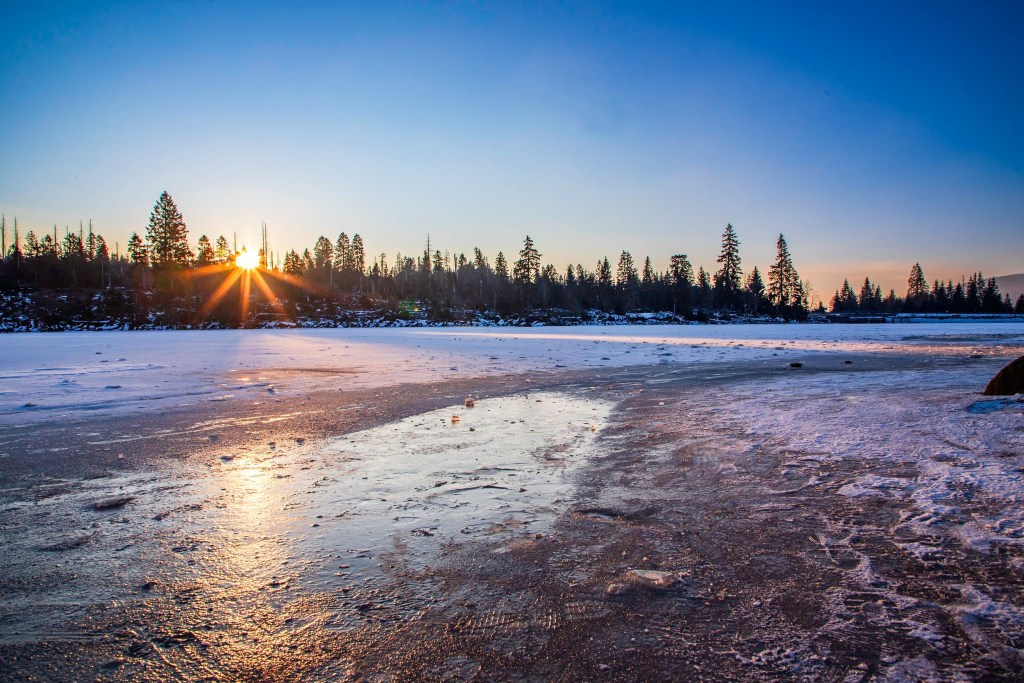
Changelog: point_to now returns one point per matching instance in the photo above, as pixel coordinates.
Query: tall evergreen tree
(342, 255)
(358, 254)
(323, 254)
(501, 267)
(222, 250)
(167, 235)
(204, 251)
(680, 275)
(916, 284)
(293, 264)
(137, 251)
(991, 300)
(703, 288)
(625, 274)
(866, 300)
(604, 274)
(755, 291)
(783, 281)
(647, 277)
(728, 279)
(527, 268)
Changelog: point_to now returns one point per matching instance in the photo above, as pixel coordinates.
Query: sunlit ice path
(808, 502)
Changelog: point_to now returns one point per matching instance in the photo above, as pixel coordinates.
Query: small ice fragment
(654, 578)
(112, 502)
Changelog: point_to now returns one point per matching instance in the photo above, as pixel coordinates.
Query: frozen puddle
(504, 466)
(396, 495)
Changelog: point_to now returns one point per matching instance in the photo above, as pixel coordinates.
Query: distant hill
(1011, 284)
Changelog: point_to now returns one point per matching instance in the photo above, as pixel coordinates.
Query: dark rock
(796, 365)
(1008, 381)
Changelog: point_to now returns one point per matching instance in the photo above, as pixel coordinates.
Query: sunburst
(248, 271)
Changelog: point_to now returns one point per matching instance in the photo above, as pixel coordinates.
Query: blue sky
(872, 135)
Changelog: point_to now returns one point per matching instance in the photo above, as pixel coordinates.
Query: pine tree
(755, 290)
(479, 260)
(32, 247)
(222, 252)
(501, 267)
(527, 267)
(293, 264)
(647, 278)
(785, 289)
(972, 295)
(137, 250)
(849, 297)
(342, 257)
(991, 300)
(358, 257)
(916, 284)
(703, 288)
(167, 235)
(625, 274)
(890, 304)
(323, 254)
(90, 242)
(72, 247)
(1019, 306)
(680, 275)
(866, 299)
(604, 274)
(728, 279)
(204, 251)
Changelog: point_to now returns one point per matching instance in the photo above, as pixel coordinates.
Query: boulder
(1008, 381)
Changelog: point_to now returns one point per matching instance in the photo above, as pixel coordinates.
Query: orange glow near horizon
(253, 281)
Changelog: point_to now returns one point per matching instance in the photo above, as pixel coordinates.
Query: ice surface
(46, 374)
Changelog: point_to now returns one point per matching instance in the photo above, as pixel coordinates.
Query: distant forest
(54, 281)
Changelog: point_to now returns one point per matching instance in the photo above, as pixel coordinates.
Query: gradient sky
(872, 135)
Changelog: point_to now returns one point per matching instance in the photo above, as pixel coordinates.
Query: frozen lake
(46, 375)
(757, 502)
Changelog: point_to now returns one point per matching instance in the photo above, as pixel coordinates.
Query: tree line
(162, 277)
(973, 294)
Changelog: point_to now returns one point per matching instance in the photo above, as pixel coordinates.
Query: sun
(247, 260)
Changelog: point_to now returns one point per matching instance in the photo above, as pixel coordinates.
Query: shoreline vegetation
(49, 283)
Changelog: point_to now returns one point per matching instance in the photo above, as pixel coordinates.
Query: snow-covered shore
(119, 370)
